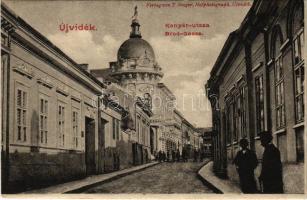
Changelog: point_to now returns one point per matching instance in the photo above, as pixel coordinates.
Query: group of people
(175, 156)
(246, 161)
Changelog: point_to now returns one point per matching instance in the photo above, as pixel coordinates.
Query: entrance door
(134, 153)
(90, 145)
(101, 144)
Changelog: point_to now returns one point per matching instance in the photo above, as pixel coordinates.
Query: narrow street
(162, 178)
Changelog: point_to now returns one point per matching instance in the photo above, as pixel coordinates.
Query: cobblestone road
(161, 178)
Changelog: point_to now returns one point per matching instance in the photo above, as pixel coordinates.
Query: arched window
(297, 27)
(277, 41)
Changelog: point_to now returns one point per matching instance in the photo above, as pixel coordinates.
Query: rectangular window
(299, 76)
(300, 146)
(21, 115)
(259, 104)
(61, 124)
(235, 121)
(75, 129)
(298, 48)
(228, 125)
(114, 128)
(143, 133)
(117, 129)
(242, 111)
(43, 121)
(139, 130)
(279, 94)
(299, 93)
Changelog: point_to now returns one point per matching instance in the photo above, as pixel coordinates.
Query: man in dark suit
(271, 172)
(246, 162)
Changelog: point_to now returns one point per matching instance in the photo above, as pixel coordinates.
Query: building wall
(110, 116)
(38, 153)
(255, 56)
(163, 113)
(119, 149)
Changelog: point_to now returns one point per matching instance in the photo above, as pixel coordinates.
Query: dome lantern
(135, 26)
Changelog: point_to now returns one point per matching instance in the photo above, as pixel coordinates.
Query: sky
(186, 61)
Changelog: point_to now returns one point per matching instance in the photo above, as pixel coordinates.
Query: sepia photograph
(190, 98)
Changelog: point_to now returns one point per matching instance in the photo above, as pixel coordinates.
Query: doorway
(101, 144)
(90, 145)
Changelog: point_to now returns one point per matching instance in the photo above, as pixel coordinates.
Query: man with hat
(271, 172)
(246, 162)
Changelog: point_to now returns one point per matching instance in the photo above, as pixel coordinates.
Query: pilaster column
(251, 128)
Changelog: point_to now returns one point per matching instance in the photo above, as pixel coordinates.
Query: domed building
(136, 68)
(137, 74)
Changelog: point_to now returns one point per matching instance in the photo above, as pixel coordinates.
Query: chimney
(84, 66)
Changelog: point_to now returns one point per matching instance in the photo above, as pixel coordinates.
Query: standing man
(173, 156)
(246, 162)
(201, 155)
(271, 172)
(163, 156)
(167, 156)
(178, 155)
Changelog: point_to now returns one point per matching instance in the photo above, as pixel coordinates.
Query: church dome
(136, 48)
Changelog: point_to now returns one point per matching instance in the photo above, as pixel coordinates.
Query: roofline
(184, 119)
(224, 50)
(162, 85)
(231, 37)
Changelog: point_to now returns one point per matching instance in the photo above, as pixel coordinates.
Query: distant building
(257, 84)
(206, 135)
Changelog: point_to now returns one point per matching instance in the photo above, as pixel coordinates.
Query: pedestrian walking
(163, 156)
(246, 162)
(160, 156)
(195, 155)
(178, 155)
(271, 172)
(173, 156)
(167, 156)
(185, 155)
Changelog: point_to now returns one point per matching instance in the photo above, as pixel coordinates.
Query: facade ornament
(45, 81)
(146, 76)
(135, 15)
(62, 89)
(24, 70)
(7, 26)
(138, 76)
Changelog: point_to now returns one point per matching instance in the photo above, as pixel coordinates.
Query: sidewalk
(222, 185)
(88, 181)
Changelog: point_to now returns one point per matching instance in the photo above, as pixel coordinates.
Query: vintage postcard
(190, 98)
